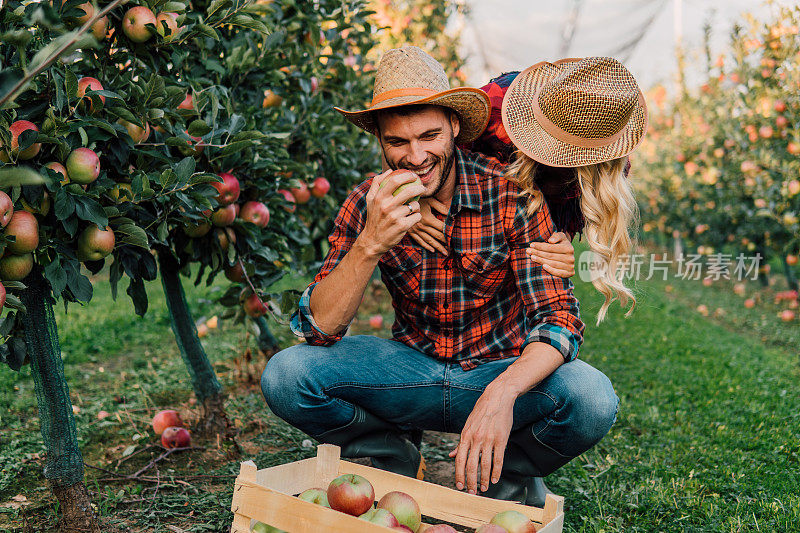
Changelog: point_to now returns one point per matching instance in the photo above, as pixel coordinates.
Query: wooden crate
(268, 496)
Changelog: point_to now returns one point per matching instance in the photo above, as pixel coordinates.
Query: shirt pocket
(400, 268)
(484, 271)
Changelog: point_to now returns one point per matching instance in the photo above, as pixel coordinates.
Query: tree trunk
(213, 420)
(64, 463)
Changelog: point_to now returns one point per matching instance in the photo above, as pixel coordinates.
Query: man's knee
(283, 377)
(592, 404)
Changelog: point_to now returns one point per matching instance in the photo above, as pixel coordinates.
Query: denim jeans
(315, 388)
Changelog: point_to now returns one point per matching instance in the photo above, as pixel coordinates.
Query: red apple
(255, 213)
(166, 418)
(228, 189)
(787, 315)
(793, 148)
(197, 230)
(702, 309)
(491, 528)
(750, 303)
(514, 522)
(235, 273)
(320, 188)
(271, 99)
(793, 187)
(381, 517)
(6, 209)
(301, 194)
(401, 527)
(171, 20)
(95, 243)
(137, 133)
(376, 321)
(83, 166)
(2, 295)
(314, 84)
(765, 132)
(780, 106)
(224, 216)
(318, 496)
(403, 507)
(254, 307)
(88, 12)
(781, 122)
(791, 260)
(175, 437)
(93, 84)
(739, 289)
(351, 494)
(25, 228)
(133, 23)
(16, 128)
(707, 282)
(59, 168)
(15, 267)
(188, 102)
(289, 197)
(440, 528)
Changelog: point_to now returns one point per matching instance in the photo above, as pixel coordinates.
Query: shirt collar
(468, 190)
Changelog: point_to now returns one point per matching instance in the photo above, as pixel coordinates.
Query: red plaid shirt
(486, 300)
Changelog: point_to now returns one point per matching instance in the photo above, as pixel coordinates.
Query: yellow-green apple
(15, 267)
(136, 132)
(6, 209)
(301, 194)
(2, 295)
(16, 128)
(224, 216)
(92, 84)
(351, 494)
(416, 181)
(25, 228)
(289, 197)
(44, 205)
(166, 418)
(60, 169)
(228, 189)
(766, 132)
(403, 507)
(83, 166)
(188, 102)
(235, 273)
(100, 28)
(318, 496)
(320, 188)
(95, 243)
(491, 528)
(197, 230)
(787, 315)
(381, 517)
(134, 21)
(271, 99)
(176, 437)
(254, 307)
(171, 20)
(261, 527)
(121, 192)
(514, 522)
(255, 213)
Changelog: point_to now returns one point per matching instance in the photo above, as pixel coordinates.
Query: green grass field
(706, 440)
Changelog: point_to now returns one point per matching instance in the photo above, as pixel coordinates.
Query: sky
(503, 35)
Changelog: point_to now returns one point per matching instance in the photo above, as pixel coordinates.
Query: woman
(566, 129)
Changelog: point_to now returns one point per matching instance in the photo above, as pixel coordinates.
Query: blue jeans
(315, 388)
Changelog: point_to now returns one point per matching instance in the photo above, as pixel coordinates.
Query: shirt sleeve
(552, 312)
(348, 224)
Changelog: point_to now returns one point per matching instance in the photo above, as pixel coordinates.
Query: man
(484, 340)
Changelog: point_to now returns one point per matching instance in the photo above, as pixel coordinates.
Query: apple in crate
(351, 494)
(176, 437)
(514, 522)
(403, 507)
(165, 419)
(491, 528)
(440, 528)
(401, 527)
(318, 496)
(261, 527)
(382, 517)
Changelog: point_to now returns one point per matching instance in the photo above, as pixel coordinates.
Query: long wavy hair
(610, 212)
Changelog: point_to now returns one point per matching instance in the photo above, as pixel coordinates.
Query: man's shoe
(369, 436)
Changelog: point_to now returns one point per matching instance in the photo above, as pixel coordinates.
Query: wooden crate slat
(291, 478)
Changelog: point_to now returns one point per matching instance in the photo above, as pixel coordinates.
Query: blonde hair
(609, 210)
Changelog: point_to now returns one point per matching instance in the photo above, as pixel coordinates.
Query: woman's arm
(557, 255)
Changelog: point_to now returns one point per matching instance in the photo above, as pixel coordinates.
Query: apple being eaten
(351, 494)
(403, 507)
(166, 418)
(176, 437)
(397, 191)
(318, 496)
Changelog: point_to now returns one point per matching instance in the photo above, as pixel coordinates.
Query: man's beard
(443, 163)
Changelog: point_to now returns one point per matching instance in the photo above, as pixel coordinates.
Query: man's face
(422, 142)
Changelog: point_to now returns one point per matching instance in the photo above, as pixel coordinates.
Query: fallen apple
(318, 496)
(381, 517)
(166, 418)
(787, 315)
(351, 494)
(403, 507)
(514, 522)
(202, 331)
(176, 437)
(750, 303)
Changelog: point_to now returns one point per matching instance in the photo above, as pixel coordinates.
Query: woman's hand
(557, 256)
(429, 232)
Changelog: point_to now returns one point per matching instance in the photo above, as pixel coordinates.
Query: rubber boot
(525, 463)
(369, 436)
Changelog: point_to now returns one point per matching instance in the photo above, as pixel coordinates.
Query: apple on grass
(514, 522)
(83, 166)
(166, 418)
(15, 267)
(397, 191)
(255, 213)
(318, 496)
(228, 189)
(403, 507)
(24, 227)
(6, 209)
(351, 494)
(134, 23)
(381, 517)
(95, 243)
(320, 187)
(176, 437)
(16, 130)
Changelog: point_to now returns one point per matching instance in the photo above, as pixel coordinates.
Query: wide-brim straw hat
(575, 112)
(409, 76)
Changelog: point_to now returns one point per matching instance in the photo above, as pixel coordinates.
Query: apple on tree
(15, 267)
(171, 22)
(100, 28)
(24, 227)
(254, 306)
(255, 213)
(289, 197)
(351, 494)
(228, 189)
(92, 84)
(136, 132)
(59, 169)
(16, 129)
(224, 216)
(83, 166)
(6, 209)
(197, 230)
(235, 273)
(320, 187)
(301, 194)
(2, 295)
(95, 243)
(271, 99)
(134, 23)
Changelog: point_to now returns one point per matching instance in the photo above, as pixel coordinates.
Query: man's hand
(429, 231)
(388, 219)
(557, 255)
(485, 435)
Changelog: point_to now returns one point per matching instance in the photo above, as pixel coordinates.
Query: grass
(706, 438)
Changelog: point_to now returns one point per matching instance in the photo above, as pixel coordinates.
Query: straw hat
(408, 76)
(575, 112)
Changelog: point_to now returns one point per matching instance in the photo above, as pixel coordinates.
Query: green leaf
(208, 31)
(167, 179)
(185, 168)
(133, 235)
(217, 5)
(198, 128)
(246, 21)
(82, 41)
(248, 135)
(12, 176)
(71, 83)
(91, 211)
(235, 147)
(123, 113)
(138, 296)
(56, 276)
